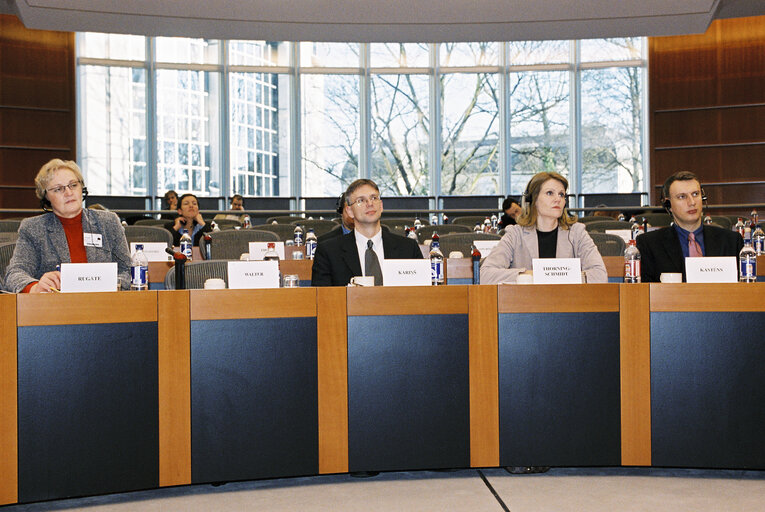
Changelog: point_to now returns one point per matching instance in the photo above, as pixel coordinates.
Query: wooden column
(9, 446)
(484, 376)
(174, 352)
(635, 352)
(332, 344)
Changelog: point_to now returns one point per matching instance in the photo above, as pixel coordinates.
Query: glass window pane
(470, 134)
(258, 53)
(400, 131)
(538, 52)
(612, 130)
(113, 125)
(399, 55)
(539, 125)
(330, 126)
(469, 54)
(187, 139)
(623, 48)
(111, 46)
(336, 55)
(187, 51)
(250, 142)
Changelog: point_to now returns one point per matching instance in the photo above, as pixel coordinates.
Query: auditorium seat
(603, 225)
(608, 245)
(462, 241)
(197, 272)
(426, 232)
(144, 233)
(230, 244)
(319, 226)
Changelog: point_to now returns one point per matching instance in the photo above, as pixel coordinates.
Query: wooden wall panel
(9, 435)
(709, 89)
(37, 106)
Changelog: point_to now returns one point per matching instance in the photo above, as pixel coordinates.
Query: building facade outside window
(304, 119)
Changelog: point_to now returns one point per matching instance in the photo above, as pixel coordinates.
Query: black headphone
(526, 197)
(340, 203)
(45, 202)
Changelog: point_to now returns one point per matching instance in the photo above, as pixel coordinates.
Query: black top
(548, 243)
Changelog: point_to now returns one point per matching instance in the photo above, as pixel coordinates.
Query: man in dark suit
(665, 250)
(340, 258)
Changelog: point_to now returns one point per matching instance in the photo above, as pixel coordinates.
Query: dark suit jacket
(660, 250)
(337, 259)
(177, 235)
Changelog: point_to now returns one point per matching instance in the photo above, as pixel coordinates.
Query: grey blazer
(42, 245)
(519, 246)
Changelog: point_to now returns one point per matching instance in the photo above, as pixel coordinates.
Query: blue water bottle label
(139, 275)
(748, 268)
(310, 249)
(759, 245)
(436, 271)
(186, 249)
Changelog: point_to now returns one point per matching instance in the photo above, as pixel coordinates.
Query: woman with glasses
(66, 233)
(544, 229)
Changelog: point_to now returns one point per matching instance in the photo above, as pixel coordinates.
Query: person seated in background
(361, 251)
(511, 210)
(606, 214)
(66, 233)
(665, 249)
(189, 219)
(545, 229)
(237, 203)
(169, 202)
(346, 225)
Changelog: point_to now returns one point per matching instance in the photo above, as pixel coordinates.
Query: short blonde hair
(528, 216)
(45, 174)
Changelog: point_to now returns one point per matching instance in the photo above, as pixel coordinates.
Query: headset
(340, 203)
(45, 202)
(665, 201)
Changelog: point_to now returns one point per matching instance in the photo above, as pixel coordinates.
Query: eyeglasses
(684, 197)
(73, 186)
(361, 201)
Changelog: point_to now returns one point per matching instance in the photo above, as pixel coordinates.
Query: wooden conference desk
(102, 393)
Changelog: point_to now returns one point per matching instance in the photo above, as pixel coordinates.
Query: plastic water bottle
(186, 244)
(310, 244)
(246, 222)
(411, 233)
(707, 219)
(445, 219)
(434, 220)
(436, 261)
(486, 225)
(494, 220)
(477, 228)
(755, 217)
(139, 269)
(631, 263)
(297, 235)
(739, 227)
(475, 255)
(417, 223)
(620, 217)
(758, 241)
(635, 230)
(271, 254)
(214, 226)
(747, 260)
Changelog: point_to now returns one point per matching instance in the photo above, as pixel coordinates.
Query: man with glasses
(362, 251)
(665, 250)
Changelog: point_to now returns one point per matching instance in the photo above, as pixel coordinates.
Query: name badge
(485, 246)
(258, 250)
(557, 270)
(406, 272)
(154, 251)
(711, 269)
(88, 277)
(253, 274)
(93, 239)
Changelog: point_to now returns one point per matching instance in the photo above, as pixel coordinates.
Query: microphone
(180, 268)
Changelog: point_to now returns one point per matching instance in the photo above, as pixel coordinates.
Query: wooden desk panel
(544, 298)
(262, 303)
(86, 308)
(707, 297)
(405, 300)
(8, 402)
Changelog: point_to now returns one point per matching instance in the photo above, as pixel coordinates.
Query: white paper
(253, 274)
(154, 251)
(88, 277)
(557, 270)
(624, 234)
(484, 246)
(258, 250)
(410, 272)
(711, 269)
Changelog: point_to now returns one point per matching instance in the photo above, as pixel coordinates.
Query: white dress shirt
(361, 247)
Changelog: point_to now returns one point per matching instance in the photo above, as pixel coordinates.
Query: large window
(304, 119)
